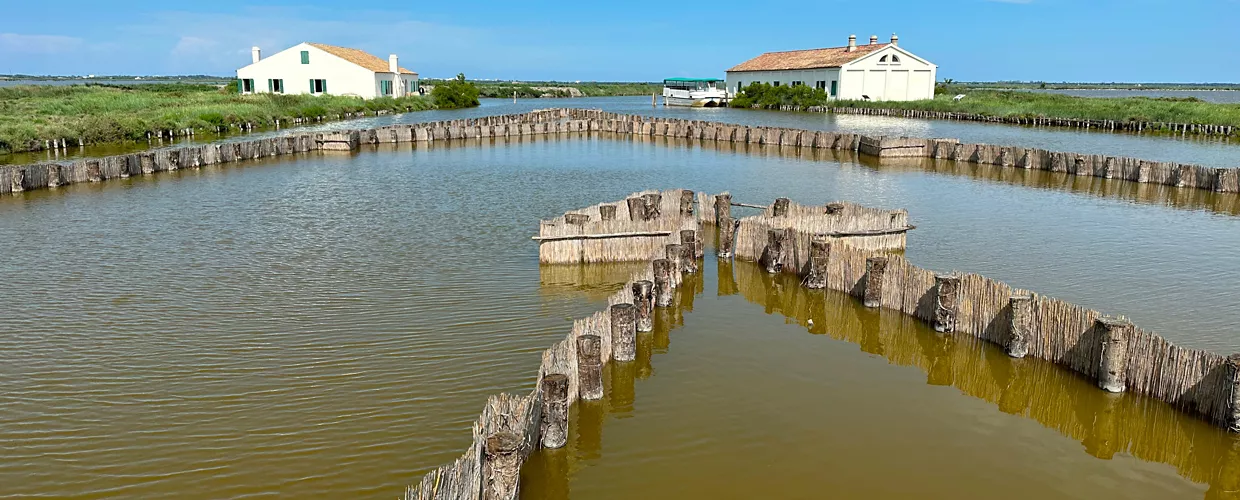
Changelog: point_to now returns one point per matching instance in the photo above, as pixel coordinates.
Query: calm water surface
(1209, 151)
(329, 325)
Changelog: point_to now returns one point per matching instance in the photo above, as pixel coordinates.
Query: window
(797, 83)
(820, 85)
(895, 59)
(305, 57)
(385, 87)
(775, 83)
(245, 85)
(882, 59)
(275, 86)
(318, 86)
(835, 87)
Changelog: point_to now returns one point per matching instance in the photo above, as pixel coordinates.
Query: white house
(878, 71)
(315, 68)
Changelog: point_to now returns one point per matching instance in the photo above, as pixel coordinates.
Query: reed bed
(628, 236)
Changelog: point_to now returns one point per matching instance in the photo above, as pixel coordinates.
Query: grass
(528, 90)
(1016, 104)
(30, 115)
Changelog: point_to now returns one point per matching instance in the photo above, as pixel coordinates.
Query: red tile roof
(358, 57)
(832, 57)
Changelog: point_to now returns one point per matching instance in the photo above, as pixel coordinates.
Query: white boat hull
(695, 102)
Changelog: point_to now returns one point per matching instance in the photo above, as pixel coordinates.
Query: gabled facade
(315, 68)
(877, 71)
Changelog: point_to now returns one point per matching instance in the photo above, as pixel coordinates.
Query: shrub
(454, 94)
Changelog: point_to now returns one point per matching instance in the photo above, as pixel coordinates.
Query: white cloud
(38, 44)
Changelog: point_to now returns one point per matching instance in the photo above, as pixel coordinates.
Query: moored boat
(694, 92)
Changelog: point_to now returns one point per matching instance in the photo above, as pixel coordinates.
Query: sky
(634, 40)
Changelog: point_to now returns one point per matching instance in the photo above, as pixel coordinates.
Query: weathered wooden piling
(607, 212)
(1018, 336)
(663, 289)
(643, 301)
(723, 208)
(1233, 376)
(590, 367)
(780, 207)
(946, 302)
(576, 219)
(819, 257)
(637, 209)
(624, 332)
(654, 202)
(727, 237)
(686, 203)
(675, 254)
(553, 428)
(1113, 365)
(834, 208)
(875, 268)
(774, 257)
(501, 466)
(688, 255)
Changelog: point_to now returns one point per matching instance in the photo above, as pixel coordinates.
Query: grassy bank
(530, 90)
(30, 115)
(1016, 104)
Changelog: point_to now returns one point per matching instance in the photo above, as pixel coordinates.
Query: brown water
(328, 325)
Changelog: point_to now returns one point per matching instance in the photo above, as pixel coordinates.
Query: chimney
(852, 43)
(873, 39)
(393, 64)
(895, 40)
(256, 54)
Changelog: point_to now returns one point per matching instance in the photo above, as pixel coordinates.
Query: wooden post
(623, 333)
(576, 219)
(1233, 374)
(875, 268)
(501, 468)
(835, 208)
(1018, 339)
(653, 205)
(663, 282)
(1113, 366)
(590, 367)
(946, 302)
(637, 209)
(819, 256)
(643, 300)
(723, 208)
(554, 425)
(727, 237)
(688, 256)
(776, 240)
(607, 212)
(675, 254)
(686, 203)
(780, 207)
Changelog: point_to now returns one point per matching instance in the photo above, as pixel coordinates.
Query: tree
(456, 93)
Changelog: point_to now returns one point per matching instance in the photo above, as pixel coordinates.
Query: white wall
(411, 84)
(785, 78)
(343, 77)
(909, 79)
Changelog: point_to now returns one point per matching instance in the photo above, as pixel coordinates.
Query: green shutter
(305, 57)
(324, 86)
(270, 87)
(311, 85)
(240, 86)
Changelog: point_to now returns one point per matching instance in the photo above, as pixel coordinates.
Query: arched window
(895, 59)
(882, 59)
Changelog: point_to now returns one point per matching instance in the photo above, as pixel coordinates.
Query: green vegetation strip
(531, 90)
(1012, 104)
(32, 114)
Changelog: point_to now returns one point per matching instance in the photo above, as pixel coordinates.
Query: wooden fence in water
(1118, 355)
(18, 178)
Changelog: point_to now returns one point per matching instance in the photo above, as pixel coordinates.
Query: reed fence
(639, 227)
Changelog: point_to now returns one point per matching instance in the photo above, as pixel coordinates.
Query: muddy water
(328, 325)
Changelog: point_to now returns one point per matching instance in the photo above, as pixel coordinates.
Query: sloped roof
(358, 57)
(832, 57)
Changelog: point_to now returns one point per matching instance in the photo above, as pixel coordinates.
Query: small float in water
(694, 92)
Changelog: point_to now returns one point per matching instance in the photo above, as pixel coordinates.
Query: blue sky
(1053, 40)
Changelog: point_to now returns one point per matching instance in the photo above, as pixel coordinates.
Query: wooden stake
(576, 219)
(590, 367)
(780, 207)
(554, 426)
(686, 203)
(727, 237)
(688, 256)
(946, 302)
(643, 300)
(819, 255)
(654, 202)
(637, 209)
(663, 282)
(773, 256)
(723, 208)
(1020, 330)
(835, 208)
(875, 268)
(1113, 366)
(675, 255)
(623, 332)
(607, 212)
(1233, 373)
(501, 468)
